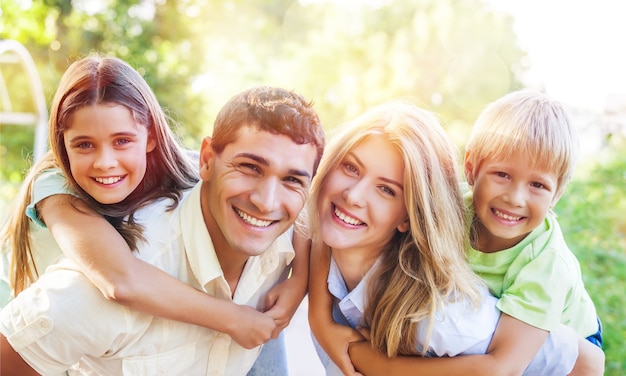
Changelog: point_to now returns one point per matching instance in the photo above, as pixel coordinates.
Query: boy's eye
(501, 174)
(537, 185)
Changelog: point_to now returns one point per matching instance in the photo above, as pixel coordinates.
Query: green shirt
(538, 281)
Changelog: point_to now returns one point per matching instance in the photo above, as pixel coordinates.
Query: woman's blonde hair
(424, 268)
(88, 81)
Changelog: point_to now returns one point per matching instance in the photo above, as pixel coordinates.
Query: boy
(520, 156)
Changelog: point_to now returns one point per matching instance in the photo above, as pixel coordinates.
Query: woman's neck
(354, 264)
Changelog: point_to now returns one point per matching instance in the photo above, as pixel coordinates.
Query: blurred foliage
(450, 56)
(591, 215)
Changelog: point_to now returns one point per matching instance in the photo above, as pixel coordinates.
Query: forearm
(371, 362)
(320, 300)
(105, 258)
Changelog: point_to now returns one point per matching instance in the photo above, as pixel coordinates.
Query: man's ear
(206, 156)
(469, 169)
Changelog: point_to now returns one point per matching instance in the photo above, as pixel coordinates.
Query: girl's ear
(404, 226)
(469, 169)
(206, 156)
(151, 143)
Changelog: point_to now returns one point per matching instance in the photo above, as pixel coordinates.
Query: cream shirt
(64, 323)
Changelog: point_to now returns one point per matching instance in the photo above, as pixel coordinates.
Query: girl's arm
(284, 299)
(106, 259)
(512, 349)
(332, 337)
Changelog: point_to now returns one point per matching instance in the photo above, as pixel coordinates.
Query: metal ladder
(13, 52)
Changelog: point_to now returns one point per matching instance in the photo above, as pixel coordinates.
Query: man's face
(254, 190)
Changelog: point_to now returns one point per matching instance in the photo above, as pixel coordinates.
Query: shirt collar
(200, 251)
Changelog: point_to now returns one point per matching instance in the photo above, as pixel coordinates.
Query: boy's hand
(283, 300)
(251, 328)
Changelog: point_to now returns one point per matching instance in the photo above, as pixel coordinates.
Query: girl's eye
(83, 145)
(122, 141)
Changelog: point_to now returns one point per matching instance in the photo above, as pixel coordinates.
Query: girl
(112, 143)
(387, 222)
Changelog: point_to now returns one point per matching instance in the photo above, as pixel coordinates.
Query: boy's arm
(284, 299)
(513, 347)
(105, 258)
(590, 360)
(332, 337)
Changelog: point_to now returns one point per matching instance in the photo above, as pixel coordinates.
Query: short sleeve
(539, 291)
(47, 183)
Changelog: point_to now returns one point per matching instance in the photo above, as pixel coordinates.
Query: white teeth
(347, 219)
(108, 181)
(506, 216)
(253, 221)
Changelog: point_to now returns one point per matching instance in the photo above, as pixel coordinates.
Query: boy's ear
(556, 198)
(206, 156)
(469, 169)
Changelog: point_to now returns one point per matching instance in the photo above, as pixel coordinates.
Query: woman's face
(361, 203)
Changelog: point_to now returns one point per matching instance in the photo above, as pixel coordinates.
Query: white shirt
(459, 329)
(63, 320)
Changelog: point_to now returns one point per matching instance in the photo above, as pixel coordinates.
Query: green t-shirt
(538, 281)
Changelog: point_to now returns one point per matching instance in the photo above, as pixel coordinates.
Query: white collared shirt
(63, 320)
(459, 328)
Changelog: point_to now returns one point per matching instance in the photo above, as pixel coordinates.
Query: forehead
(277, 151)
(102, 117)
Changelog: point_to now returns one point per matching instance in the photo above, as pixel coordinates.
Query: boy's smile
(511, 198)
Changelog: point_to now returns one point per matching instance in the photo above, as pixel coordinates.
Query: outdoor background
(449, 56)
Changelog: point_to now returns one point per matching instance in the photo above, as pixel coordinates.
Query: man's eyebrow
(265, 162)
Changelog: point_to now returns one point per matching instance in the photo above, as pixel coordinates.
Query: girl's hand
(283, 300)
(251, 328)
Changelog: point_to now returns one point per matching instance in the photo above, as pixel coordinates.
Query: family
(159, 260)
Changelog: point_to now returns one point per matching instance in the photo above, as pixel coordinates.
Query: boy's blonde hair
(425, 267)
(529, 122)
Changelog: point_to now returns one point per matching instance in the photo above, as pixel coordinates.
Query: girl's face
(361, 203)
(107, 151)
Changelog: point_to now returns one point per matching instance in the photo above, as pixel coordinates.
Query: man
(255, 174)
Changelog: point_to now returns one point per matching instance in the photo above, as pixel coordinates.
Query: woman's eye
(388, 191)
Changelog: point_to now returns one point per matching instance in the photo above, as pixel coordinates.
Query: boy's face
(511, 199)
(254, 190)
